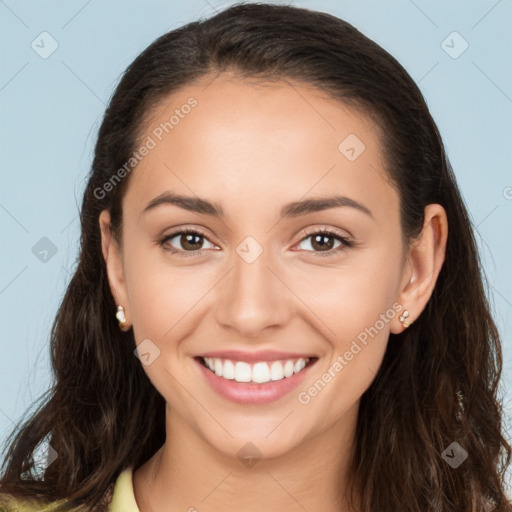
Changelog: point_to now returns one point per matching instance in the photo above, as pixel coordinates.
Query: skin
(252, 147)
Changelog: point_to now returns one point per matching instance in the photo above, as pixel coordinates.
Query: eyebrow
(289, 210)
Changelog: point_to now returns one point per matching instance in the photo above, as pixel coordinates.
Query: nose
(253, 298)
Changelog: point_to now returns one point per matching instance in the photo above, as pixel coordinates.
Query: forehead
(234, 140)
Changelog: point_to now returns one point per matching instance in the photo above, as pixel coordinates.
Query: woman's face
(258, 283)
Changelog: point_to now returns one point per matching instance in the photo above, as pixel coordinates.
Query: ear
(424, 261)
(115, 270)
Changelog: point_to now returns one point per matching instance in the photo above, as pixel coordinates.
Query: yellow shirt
(123, 498)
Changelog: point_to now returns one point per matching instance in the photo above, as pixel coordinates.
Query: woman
(278, 302)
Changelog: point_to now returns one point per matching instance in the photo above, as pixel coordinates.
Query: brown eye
(323, 242)
(185, 241)
(190, 242)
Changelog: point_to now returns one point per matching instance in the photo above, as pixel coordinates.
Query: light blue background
(51, 110)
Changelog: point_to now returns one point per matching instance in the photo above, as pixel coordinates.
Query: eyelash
(346, 243)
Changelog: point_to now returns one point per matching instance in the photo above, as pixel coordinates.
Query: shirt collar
(123, 499)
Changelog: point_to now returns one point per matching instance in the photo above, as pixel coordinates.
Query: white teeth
(288, 369)
(276, 371)
(260, 372)
(228, 370)
(299, 365)
(242, 371)
(218, 367)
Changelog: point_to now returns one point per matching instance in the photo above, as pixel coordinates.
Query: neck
(188, 474)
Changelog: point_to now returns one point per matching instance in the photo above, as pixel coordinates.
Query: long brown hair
(438, 382)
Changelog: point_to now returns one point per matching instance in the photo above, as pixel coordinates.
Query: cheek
(153, 301)
(358, 313)
(351, 298)
(355, 304)
(160, 295)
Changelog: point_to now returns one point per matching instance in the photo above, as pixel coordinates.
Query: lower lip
(249, 393)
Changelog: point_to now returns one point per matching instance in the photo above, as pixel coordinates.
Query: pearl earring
(121, 317)
(402, 318)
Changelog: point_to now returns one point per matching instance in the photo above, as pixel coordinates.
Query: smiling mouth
(257, 373)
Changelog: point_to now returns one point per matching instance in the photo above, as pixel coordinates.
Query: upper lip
(254, 357)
